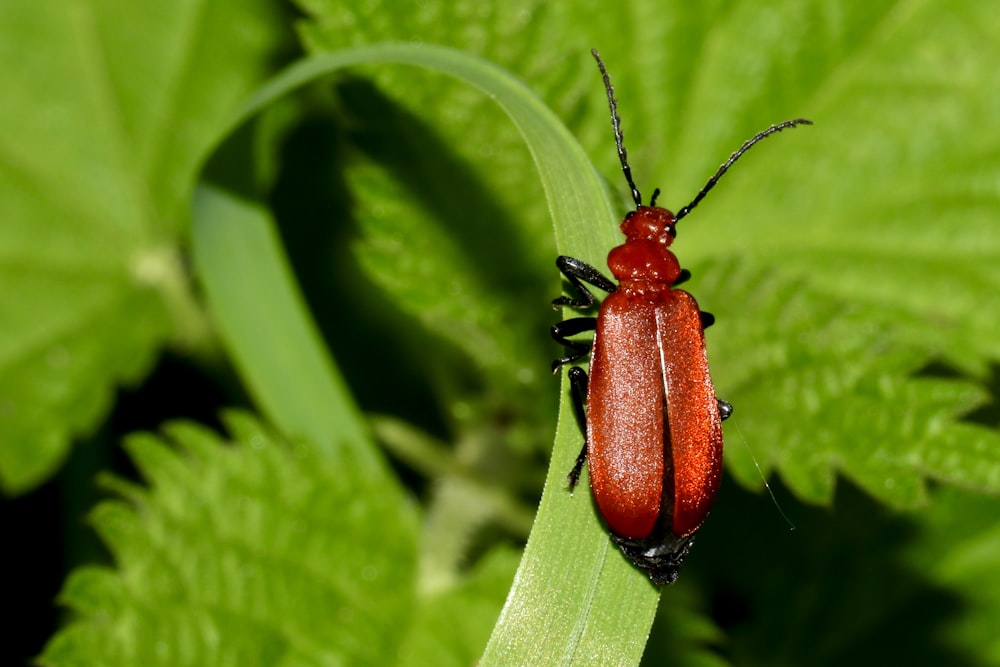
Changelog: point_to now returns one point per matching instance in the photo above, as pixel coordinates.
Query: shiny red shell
(654, 430)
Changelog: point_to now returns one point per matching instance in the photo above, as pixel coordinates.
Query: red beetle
(653, 424)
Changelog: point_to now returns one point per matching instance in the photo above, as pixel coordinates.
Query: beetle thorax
(645, 257)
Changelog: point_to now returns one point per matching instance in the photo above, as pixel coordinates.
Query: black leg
(707, 319)
(577, 273)
(578, 392)
(561, 333)
(725, 409)
(682, 278)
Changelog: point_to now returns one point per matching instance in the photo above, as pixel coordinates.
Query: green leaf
(251, 552)
(870, 235)
(453, 624)
(933, 573)
(840, 259)
(867, 419)
(958, 547)
(262, 319)
(869, 261)
(684, 633)
(471, 223)
(108, 110)
(576, 196)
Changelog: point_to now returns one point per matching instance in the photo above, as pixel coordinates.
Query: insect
(651, 420)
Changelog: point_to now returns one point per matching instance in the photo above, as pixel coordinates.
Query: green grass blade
(263, 318)
(574, 595)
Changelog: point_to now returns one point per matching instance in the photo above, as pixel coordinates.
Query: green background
(318, 321)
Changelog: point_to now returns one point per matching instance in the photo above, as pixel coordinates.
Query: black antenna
(736, 156)
(616, 123)
(652, 200)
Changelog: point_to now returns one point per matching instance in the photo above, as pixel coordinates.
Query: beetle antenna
(616, 123)
(760, 136)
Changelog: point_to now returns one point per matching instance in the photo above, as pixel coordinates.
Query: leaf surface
(108, 112)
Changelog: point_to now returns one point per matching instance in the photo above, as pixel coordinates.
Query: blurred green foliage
(854, 268)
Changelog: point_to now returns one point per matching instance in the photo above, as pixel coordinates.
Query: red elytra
(650, 395)
(652, 421)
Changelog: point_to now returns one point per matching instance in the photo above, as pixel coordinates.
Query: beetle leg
(684, 276)
(707, 319)
(578, 389)
(561, 333)
(725, 409)
(577, 273)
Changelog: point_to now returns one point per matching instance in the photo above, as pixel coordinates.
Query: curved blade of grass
(263, 318)
(574, 598)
